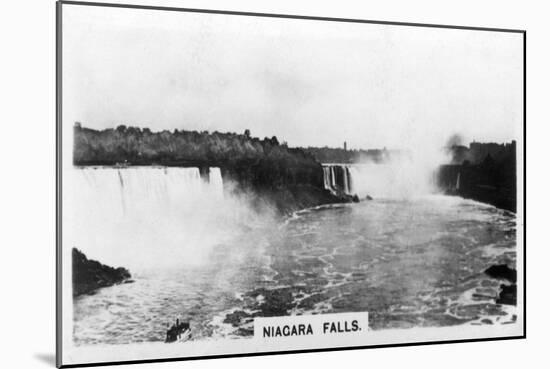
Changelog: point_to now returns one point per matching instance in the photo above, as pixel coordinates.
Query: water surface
(408, 263)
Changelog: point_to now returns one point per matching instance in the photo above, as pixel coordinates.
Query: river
(408, 262)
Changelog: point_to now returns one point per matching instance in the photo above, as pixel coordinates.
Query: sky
(310, 83)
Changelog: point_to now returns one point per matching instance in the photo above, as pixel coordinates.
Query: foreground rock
(289, 199)
(487, 182)
(90, 275)
(502, 271)
(507, 295)
(508, 292)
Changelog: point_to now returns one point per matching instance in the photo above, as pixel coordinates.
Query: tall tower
(345, 146)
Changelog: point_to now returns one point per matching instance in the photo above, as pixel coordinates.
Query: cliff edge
(90, 275)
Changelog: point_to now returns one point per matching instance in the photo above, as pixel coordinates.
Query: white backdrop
(27, 148)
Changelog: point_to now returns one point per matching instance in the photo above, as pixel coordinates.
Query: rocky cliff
(490, 180)
(90, 275)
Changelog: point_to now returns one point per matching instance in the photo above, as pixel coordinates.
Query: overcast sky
(310, 83)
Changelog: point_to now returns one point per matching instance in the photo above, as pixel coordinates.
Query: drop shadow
(46, 358)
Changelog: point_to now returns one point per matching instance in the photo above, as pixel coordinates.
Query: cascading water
(337, 178)
(398, 179)
(351, 183)
(392, 180)
(216, 181)
(124, 189)
(346, 181)
(116, 214)
(326, 178)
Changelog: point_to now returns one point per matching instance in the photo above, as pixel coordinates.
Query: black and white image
(220, 169)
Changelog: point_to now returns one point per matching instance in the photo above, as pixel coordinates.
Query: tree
(247, 133)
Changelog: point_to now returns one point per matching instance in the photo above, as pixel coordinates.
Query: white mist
(152, 217)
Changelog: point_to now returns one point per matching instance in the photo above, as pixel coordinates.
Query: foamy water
(416, 262)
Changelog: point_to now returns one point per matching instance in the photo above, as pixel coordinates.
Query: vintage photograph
(234, 183)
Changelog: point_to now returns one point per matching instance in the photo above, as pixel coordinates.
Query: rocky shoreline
(484, 182)
(90, 275)
(290, 199)
(508, 292)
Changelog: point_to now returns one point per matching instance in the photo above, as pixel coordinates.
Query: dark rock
(291, 198)
(483, 172)
(368, 197)
(502, 271)
(245, 332)
(204, 173)
(310, 301)
(235, 318)
(275, 302)
(89, 275)
(507, 295)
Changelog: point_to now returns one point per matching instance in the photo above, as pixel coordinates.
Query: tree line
(250, 160)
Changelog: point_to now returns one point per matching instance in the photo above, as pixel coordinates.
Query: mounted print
(241, 184)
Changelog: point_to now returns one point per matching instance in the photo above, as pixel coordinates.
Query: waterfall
(337, 178)
(398, 179)
(387, 180)
(123, 189)
(350, 180)
(376, 180)
(215, 180)
(457, 187)
(326, 177)
(139, 215)
(347, 187)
